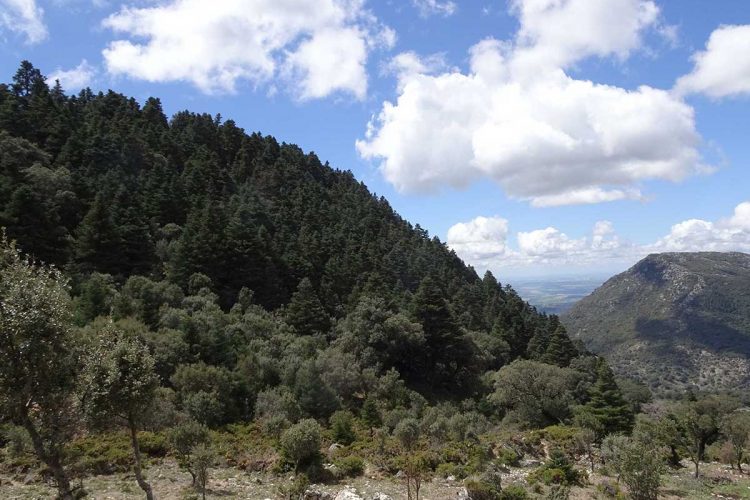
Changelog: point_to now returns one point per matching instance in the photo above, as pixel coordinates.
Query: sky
(535, 137)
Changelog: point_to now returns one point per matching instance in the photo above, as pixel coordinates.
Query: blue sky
(538, 137)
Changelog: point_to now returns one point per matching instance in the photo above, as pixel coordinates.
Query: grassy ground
(717, 481)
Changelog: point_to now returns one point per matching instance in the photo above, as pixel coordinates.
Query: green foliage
(607, 403)
(736, 428)
(351, 466)
(184, 438)
(119, 378)
(201, 461)
(300, 444)
(342, 423)
(407, 432)
(17, 439)
(370, 414)
(479, 490)
(295, 489)
(535, 394)
(37, 355)
(640, 466)
(558, 470)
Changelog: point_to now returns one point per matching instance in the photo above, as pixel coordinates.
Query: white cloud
(723, 69)
(730, 234)
(24, 17)
(516, 117)
(318, 47)
(74, 79)
(440, 7)
(483, 242)
(480, 241)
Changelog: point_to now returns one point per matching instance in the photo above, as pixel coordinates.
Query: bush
(508, 457)
(202, 460)
(558, 470)
(480, 490)
(295, 489)
(446, 469)
(184, 438)
(342, 427)
(300, 444)
(514, 492)
(17, 439)
(351, 466)
(101, 453)
(407, 432)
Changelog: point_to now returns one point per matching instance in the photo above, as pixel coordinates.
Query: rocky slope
(674, 320)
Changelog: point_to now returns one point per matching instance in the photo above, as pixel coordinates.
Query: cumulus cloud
(730, 234)
(480, 241)
(484, 243)
(518, 118)
(24, 17)
(318, 47)
(723, 69)
(74, 79)
(431, 7)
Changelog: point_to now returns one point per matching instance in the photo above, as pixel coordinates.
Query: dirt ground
(169, 482)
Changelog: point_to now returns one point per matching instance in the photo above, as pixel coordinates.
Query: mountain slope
(673, 320)
(221, 241)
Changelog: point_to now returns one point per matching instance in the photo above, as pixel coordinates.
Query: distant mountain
(674, 320)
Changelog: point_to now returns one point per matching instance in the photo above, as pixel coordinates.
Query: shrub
(300, 444)
(558, 470)
(295, 489)
(18, 440)
(514, 492)
(407, 432)
(351, 466)
(446, 469)
(184, 439)
(480, 490)
(508, 457)
(342, 427)
(202, 460)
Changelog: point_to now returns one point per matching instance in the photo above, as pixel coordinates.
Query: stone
(347, 495)
(381, 496)
(316, 494)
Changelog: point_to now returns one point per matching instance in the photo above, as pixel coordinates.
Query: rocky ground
(169, 482)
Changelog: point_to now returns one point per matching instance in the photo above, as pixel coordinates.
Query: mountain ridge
(674, 320)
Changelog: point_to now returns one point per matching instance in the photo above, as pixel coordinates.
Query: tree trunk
(697, 462)
(51, 460)
(137, 455)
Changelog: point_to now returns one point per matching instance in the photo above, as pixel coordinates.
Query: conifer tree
(607, 404)
(305, 312)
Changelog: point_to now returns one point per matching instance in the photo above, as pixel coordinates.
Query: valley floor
(169, 482)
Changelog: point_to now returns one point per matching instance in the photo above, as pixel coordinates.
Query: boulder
(347, 495)
(334, 449)
(316, 494)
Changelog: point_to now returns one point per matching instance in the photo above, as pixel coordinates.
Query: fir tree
(305, 312)
(607, 404)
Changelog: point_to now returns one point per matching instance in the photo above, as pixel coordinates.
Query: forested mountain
(142, 211)
(674, 320)
(219, 277)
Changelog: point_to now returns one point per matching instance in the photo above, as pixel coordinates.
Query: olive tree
(736, 428)
(37, 357)
(120, 382)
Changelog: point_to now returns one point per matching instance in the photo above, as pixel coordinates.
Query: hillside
(673, 320)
